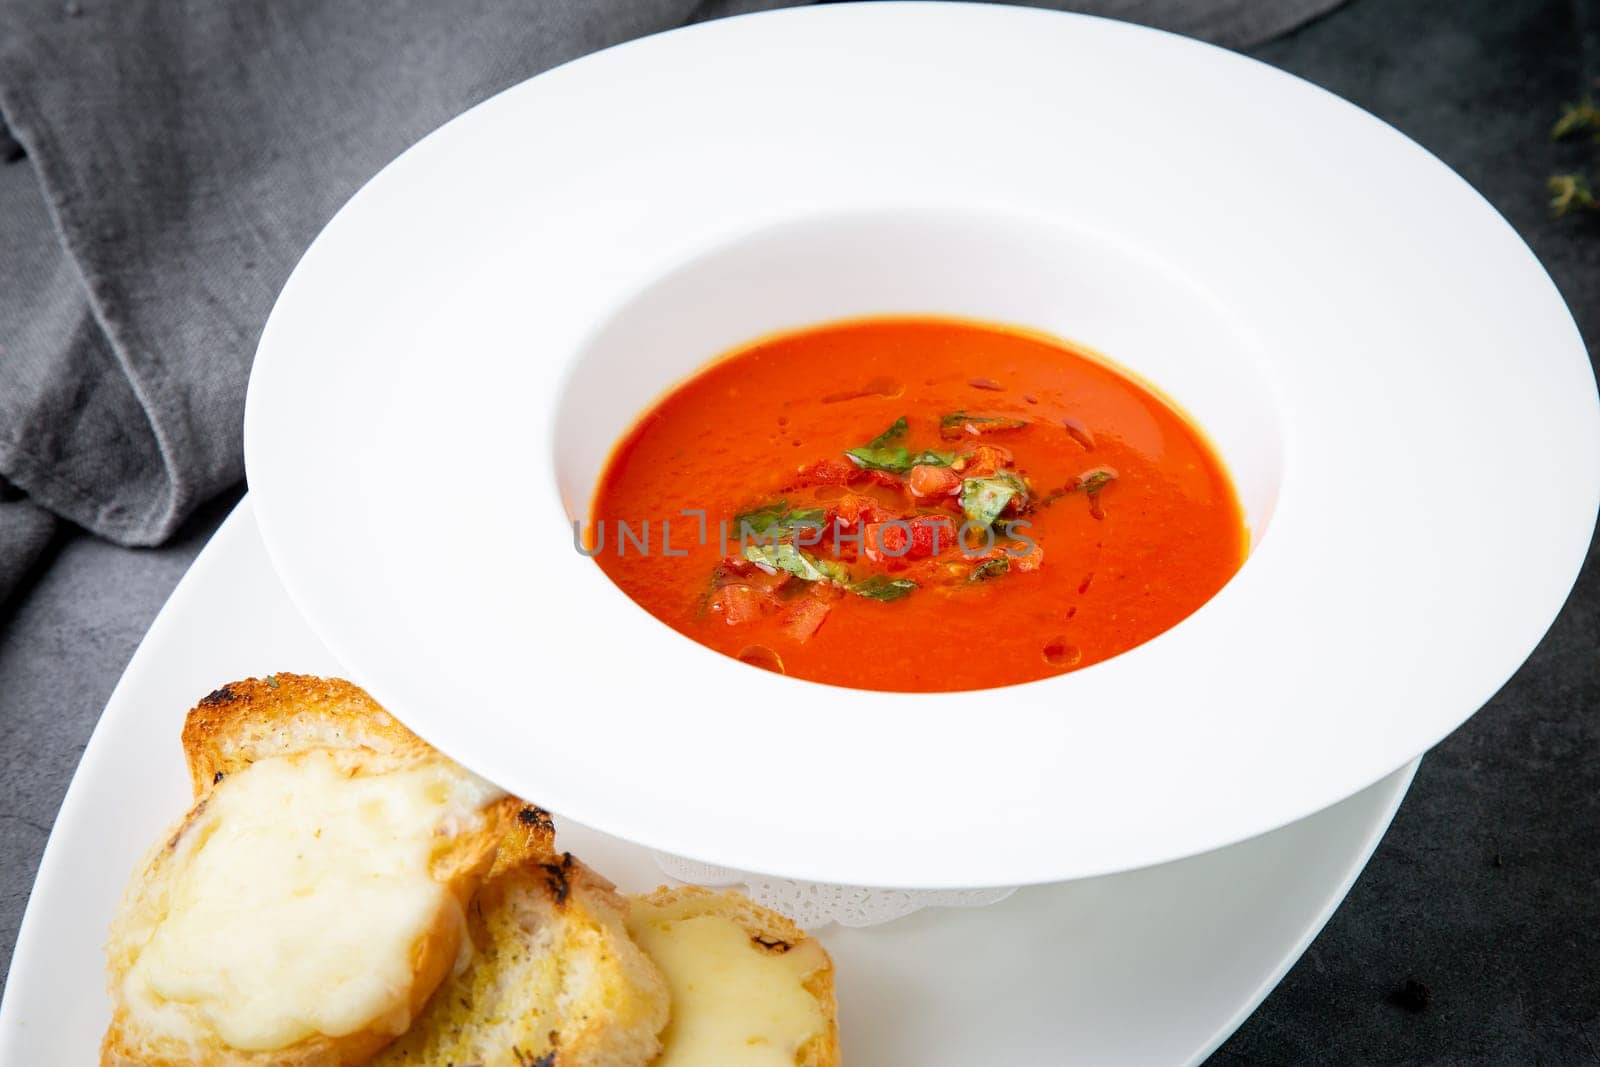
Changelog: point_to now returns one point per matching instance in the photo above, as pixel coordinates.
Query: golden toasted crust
(554, 978)
(282, 715)
(768, 928)
(241, 722)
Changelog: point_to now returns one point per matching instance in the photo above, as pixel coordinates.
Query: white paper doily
(812, 905)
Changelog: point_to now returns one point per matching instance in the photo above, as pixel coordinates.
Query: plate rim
(31, 954)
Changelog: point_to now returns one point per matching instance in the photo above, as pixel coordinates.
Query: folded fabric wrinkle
(166, 165)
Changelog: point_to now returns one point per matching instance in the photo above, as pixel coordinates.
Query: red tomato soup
(924, 504)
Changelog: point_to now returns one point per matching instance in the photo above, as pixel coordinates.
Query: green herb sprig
(776, 517)
(958, 424)
(983, 499)
(990, 568)
(1582, 117)
(886, 453)
(796, 561)
(878, 587)
(1572, 191)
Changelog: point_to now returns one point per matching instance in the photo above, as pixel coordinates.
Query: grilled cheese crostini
(315, 894)
(553, 979)
(749, 988)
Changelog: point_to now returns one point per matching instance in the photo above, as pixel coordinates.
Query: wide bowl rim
(1273, 770)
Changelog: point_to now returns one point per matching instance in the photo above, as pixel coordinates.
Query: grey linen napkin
(163, 163)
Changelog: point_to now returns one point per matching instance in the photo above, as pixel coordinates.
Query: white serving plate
(1152, 967)
(1397, 386)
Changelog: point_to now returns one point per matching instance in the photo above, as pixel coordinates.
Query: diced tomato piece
(803, 618)
(730, 567)
(930, 535)
(887, 479)
(917, 538)
(1028, 561)
(825, 591)
(873, 538)
(769, 583)
(840, 472)
(732, 570)
(928, 481)
(825, 472)
(880, 542)
(740, 604)
(853, 508)
(984, 460)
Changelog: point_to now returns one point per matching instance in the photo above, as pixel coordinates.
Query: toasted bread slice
(746, 983)
(382, 894)
(242, 722)
(554, 978)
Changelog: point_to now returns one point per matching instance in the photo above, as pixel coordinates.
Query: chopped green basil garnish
(958, 424)
(885, 452)
(801, 564)
(930, 458)
(877, 587)
(892, 436)
(989, 568)
(1090, 481)
(983, 499)
(1094, 481)
(775, 517)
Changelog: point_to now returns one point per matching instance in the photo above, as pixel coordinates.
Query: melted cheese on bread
(735, 1002)
(300, 894)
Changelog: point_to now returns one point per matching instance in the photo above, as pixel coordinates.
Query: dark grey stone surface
(63, 645)
(1485, 894)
